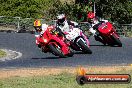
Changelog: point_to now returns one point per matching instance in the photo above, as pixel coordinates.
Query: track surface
(33, 57)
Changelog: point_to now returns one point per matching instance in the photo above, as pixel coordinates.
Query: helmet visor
(37, 28)
(61, 20)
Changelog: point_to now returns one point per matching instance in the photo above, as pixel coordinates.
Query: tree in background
(85, 6)
(24, 8)
(115, 10)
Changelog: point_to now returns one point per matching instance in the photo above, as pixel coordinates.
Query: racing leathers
(39, 34)
(94, 31)
(66, 27)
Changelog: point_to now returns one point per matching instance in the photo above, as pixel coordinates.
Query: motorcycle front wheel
(84, 47)
(116, 41)
(56, 51)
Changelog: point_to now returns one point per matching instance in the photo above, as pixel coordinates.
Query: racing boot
(39, 46)
(44, 50)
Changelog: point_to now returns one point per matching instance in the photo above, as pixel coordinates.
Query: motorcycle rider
(39, 30)
(93, 29)
(63, 26)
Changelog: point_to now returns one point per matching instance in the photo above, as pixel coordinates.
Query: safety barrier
(124, 30)
(19, 25)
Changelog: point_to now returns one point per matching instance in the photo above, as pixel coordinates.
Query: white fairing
(75, 32)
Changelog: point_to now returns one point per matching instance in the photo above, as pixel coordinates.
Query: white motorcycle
(78, 41)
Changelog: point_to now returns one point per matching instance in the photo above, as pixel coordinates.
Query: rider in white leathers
(63, 25)
(93, 21)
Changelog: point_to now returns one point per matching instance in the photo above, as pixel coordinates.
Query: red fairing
(108, 33)
(107, 29)
(49, 38)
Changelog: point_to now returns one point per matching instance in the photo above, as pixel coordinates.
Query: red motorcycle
(107, 32)
(52, 42)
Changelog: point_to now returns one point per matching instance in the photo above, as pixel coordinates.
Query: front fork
(113, 32)
(85, 38)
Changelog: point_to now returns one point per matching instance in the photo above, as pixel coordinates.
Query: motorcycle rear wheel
(71, 53)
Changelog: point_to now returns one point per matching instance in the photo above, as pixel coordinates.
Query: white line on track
(11, 55)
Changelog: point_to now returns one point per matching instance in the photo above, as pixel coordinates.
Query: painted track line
(11, 55)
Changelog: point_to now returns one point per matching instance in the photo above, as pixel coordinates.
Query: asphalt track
(33, 57)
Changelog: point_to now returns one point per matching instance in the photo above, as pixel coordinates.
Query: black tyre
(56, 51)
(100, 39)
(71, 53)
(116, 41)
(84, 47)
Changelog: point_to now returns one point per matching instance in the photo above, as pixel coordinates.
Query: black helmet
(61, 18)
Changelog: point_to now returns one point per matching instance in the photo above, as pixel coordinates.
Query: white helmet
(61, 18)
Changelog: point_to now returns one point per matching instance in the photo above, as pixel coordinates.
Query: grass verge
(129, 34)
(2, 53)
(65, 78)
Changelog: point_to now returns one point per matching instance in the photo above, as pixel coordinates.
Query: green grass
(129, 34)
(64, 80)
(2, 53)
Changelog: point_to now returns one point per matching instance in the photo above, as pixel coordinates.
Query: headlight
(109, 30)
(45, 40)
